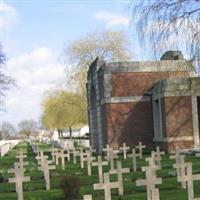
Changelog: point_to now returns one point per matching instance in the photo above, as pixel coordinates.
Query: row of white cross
(183, 169)
(18, 171)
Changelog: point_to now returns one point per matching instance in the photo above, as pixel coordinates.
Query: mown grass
(35, 190)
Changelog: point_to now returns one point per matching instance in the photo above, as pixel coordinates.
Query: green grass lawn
(35, 189)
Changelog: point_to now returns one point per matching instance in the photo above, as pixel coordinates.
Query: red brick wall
(136, 83)
(170, 146)
(178, 116)
(130, 123)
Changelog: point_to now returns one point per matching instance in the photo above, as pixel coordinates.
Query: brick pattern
(129, 123)
(137, 83)
(170, 146)
(178, 116)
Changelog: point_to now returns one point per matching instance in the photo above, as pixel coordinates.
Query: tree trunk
(70, 132)
(59, 133)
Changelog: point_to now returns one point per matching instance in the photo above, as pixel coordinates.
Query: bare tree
(27, 127)
(6, 81)
(165, 24)
(108, 45)
(7, 131)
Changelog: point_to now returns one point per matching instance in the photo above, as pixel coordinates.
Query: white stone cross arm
(134, 156)
(18, 180)
(106, 186)
(87, 197)
(23, 179)
(120, 171)
(100, 165)
(152, 165)
(181, 169)
(150, 182)
(189, 178)
(107, 150)
(124, 149)
(45, 167)
(140, 147)
(82, 159)
(90, 159)
(21, 155)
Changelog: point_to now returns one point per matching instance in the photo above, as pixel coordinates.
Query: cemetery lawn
(170, 189)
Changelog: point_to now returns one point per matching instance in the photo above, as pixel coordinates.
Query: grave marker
(134, 156)
(124, 149)
(106, 186)
(181, 169)
(151, 180)
(89, 159)
(188, 177)
(100, 165)
(18, 180)
(120, 171)
(112, 155)
(107, 150)
(75, 154)
(140, 147)
(62, 156)
(45, 167)
(82, 158)
(87, 197)
(53, 152)
(21, 157)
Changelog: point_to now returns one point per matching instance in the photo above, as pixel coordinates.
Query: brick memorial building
(156, 102)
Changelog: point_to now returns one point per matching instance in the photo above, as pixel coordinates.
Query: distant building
(79, 132)
(156, 102)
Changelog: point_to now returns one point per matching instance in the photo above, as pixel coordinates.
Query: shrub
(70, 186)
(1, 178)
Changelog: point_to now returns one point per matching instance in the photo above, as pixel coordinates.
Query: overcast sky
(33, 34)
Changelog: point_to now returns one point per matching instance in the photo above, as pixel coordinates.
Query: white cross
(150, 182)
(45, 167)
(62, 156)
(89, 159)
(40, 158)
(53, 151)
(134, 156)
(18, 180)
(140, 147)
(75, 153)
(176, 156)
(82, 159)
(152, 166)
(124, 149)
(181, 169)
(100, 165)
(112, 155)
(91, 150)
(21, 160)
(107, 150)
(189, 178)
(157, 155)
(106, 186)
(119, 171)
(87, 197)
